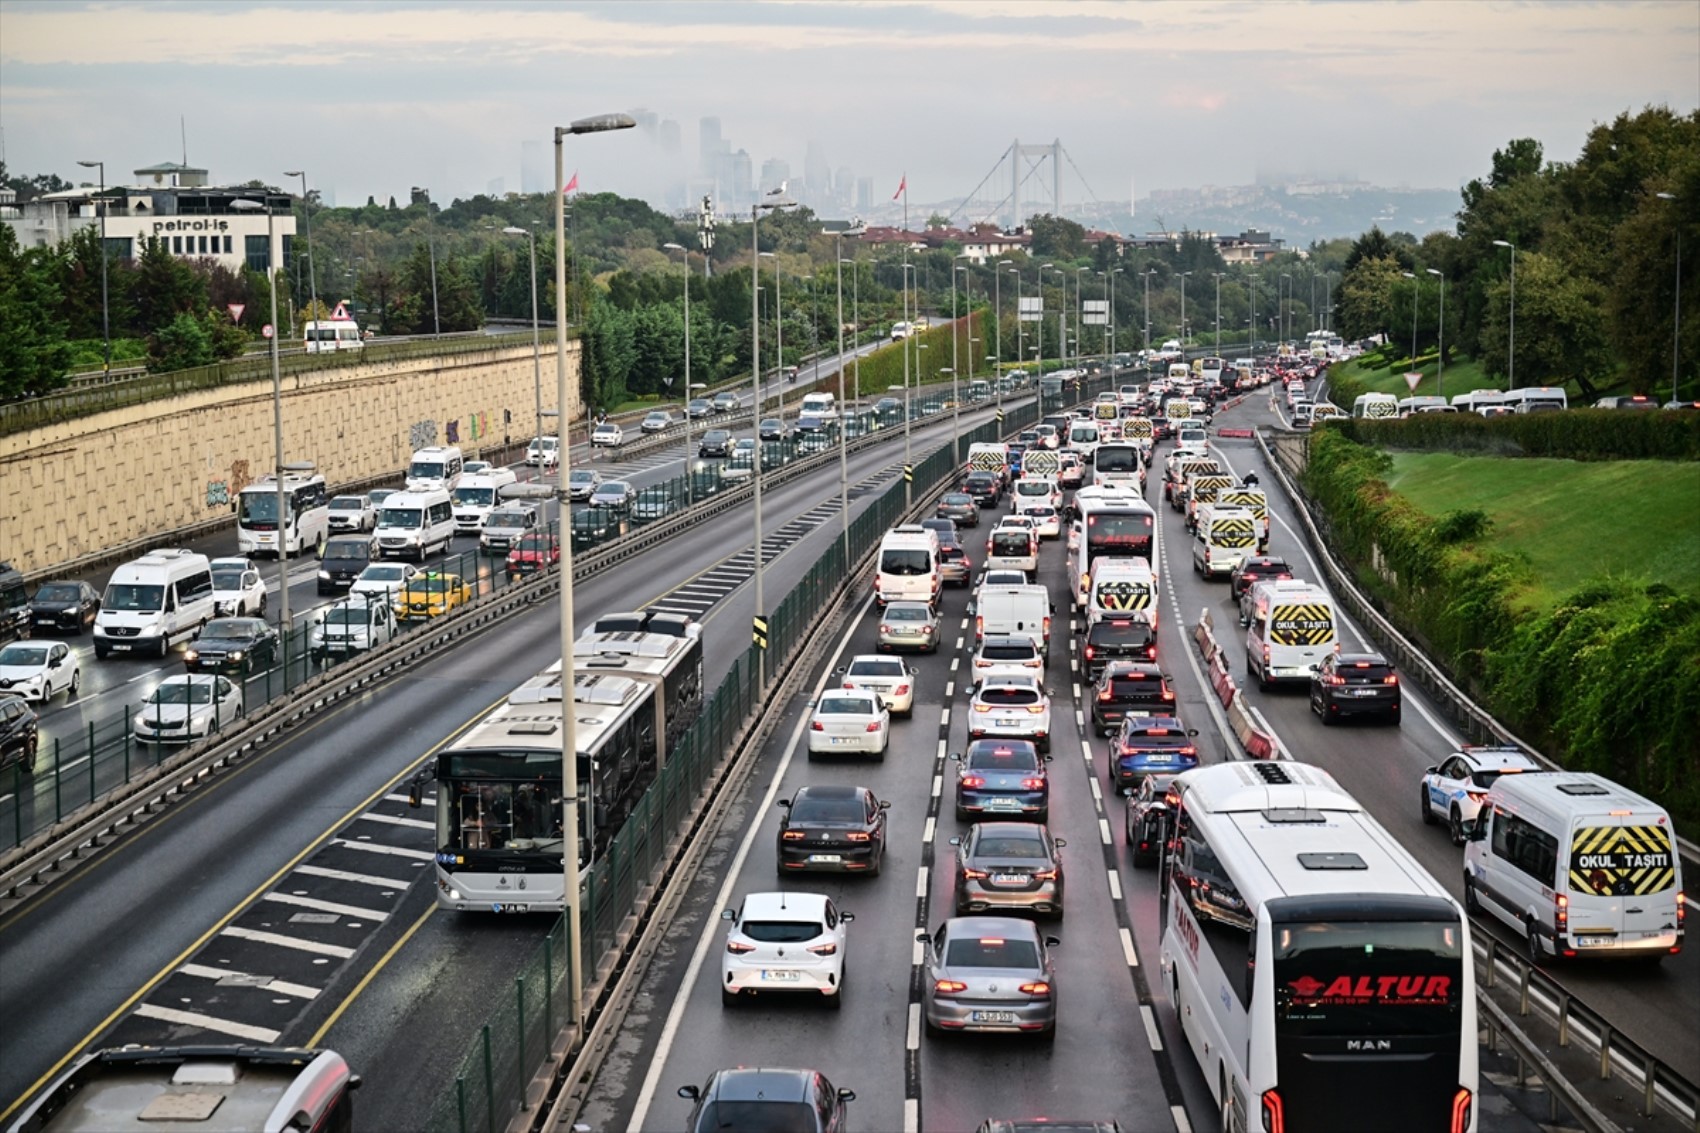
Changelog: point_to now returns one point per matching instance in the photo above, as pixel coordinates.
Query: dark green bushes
(1579, 434)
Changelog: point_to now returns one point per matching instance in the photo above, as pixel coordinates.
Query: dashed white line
(949, 688)
(428, 800)
(941, 751)
(919, 955)
(930, 830)
(208, 1023)
(921, 882)
(960, 642)
(419, 823)
(279, 987)
(913, 1037)
(1152, 1035)
(1097, 793)
(357, 878)
(955, 663)
(283, 941)
(944, 718)
(938, 785)
(1182, 1125)
(912, 1116)
(353, 911)
(1115, 884)
(1129, 952)
(376, 848)
(1104, 832)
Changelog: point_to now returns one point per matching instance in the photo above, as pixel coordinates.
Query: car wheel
(1455, 826)
(1532, 943)
(728, 998)
(1048, 1036)
(879, 864)
(75, 686)
(1427, 811)
(1328, 718)
(99, 653)
(164, 647)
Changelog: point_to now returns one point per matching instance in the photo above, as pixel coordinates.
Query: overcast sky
(372, 98)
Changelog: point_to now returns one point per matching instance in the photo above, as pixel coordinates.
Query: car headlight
(236, 655)
(325, 574)
(191, 655)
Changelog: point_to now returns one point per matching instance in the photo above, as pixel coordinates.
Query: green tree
(1056, 237)
(180, 344)
(33, 350)
(1561, 327)
(163, 287)
(1366, 296)
(455, 305)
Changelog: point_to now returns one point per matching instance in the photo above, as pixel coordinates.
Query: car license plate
(1595, 941)
(843, 740)
(44, 621)
(779, 976)
(120, 648)
(826, 859)
(991, 1017)
(1360, 692)
(1003, 804)
(1009, 879)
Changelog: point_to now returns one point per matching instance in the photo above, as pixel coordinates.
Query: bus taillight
(1274, 1120)
(1460, 1110)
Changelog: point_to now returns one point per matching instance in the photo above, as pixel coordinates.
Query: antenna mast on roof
(183, 132)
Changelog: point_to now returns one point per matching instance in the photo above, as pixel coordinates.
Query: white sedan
(890, 677)
(791, 943)
(40, 670)
(850, 720)
(1454, 789)
(608, 433)
(1013, 707)
(384, 579)
(187, 707)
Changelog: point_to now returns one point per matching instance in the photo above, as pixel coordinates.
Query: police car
(1454, 789)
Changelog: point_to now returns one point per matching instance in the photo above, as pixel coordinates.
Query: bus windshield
(1380, 978)
(259, 510)
(511, 816)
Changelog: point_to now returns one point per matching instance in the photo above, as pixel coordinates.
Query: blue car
(1002, 779)
(1151, 745)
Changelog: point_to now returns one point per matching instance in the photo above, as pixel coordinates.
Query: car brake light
(1335, 679)
(1461, 1102)
(948, 986)
(1104, 697)
(1090, 651)
(1032, 784)
(1392, 679)
(973, 781)
(973, 874)
(1037, 709)
(901, 690)
(1168, 695)
(818, 726)
(1275, 1121)
(885, 629)
(1562, 913)
(979, 628)
(1037, 988)
(1681, 909)
(824, 949)
(873, 726)
(858, 836)
(792, 836)
(1266, 654)
(1045, 874)
(738, 947)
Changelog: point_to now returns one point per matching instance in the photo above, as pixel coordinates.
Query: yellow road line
(383, 962)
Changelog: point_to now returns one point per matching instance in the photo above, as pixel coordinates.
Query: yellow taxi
(431, 595)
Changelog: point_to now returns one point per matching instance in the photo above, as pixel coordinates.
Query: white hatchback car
(40, 670)
(1013, 707)
(386, 579)
(850, 720)
(791, 943)
(187, 707)
(1454, 789)
(893, 679)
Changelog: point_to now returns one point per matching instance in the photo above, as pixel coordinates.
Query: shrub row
(884, 367)
(1607, 681)
(1579, 434)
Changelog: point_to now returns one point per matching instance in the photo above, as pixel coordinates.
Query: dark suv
(1256, 568)
(1355, 684)
(18, 738)
(985, 487)
(715, 442)
(1130, 688)
(1117, 639)
(1151, 745)
(344, 558)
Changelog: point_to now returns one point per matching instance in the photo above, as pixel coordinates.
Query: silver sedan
(909, 625)
(989, 974)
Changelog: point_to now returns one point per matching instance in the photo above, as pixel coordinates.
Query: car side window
(938, 941)
(831, 917)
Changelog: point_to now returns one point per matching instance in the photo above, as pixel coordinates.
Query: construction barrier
(1248, 725)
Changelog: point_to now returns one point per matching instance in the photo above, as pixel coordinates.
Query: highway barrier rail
(490, 1091)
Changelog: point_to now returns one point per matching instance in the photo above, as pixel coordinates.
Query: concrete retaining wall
(71, 490)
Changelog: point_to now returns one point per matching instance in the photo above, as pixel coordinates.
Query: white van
(1290, 628)
(1536, 399)
(1224, 536)
(822, 405)
(908, 568)
(336, 334)
(477, 496)
(1013, 548)
(1083, 439)
(413, 524)
(1014, 611)
(1122, 586)
(1036, 492)
(1578, 864)
(154, 602)
(436, 467)
(1375, 405)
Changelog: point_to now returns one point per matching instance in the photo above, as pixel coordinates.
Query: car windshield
(781, 932)
(227, 631)
(30, 655)
(181, 693)
(1011, 758)
(1010, 846)
(506, 519)
(133, 596)
(348, 503)
(57, 592)
(957, 499)
(1144, 685)
(896, 613)
(845, 706)
(876, 669)
(406, 518)
(536, 543)
(227, 579)
(377, 573)
(475, 497)
(614, 488)
(656, 416)
(905, 562)
(808, 808)
(1119, 633)
(345, 616)
(357, 551)
(425, 470)
(992, 952)
(580, 476)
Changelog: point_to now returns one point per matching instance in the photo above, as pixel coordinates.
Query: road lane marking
(393, 797)
(938, 785)
(395, 820)
(282, 941)
(208, 1023)
(921, 882)
(377, 848)
(912, 1116)
(1129, 952)
(354, 912)
(944, 718)
(1097, 792)
(358, 878)
(1151, 1032)
(281, 987)
(1115, 884)
(1182, 1125)
(1104, 831)
(913, 1038)
(930, 830)
(365, 980)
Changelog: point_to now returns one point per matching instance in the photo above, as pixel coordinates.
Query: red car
(535, 553)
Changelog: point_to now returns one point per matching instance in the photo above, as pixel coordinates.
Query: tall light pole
(856, 318)
(1113, 343)
(779, 357)
(955, 361)
(1148, 273)
(307, 217)
(569, 678)
(997, 317)
(536, 349)
(1287, 311)
(1440, 339)
(772, 199)
(1511, 349)
(1416, 294)
(1218, 276)
(856, 228)
(1079, 334)
(908, 461)
(1184, 274)
(1039, 342)
(1676, 318)
(1328, 300)
(685, 255)
(105, 308)
(1020, 337)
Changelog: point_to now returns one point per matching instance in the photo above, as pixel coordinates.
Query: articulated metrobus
(500, 843)
(1322, 977)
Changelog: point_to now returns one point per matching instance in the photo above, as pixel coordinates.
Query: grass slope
(1574, 521)
(1462, 375)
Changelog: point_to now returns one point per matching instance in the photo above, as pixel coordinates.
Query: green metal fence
(488, 1092)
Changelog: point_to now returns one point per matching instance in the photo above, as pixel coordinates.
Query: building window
(229, 246)
(203, 242)
(177, 245)
(254, 248)
(119, 248)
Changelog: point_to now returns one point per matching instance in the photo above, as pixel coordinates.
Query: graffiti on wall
(218, 493)
(452, 432)
(239, 477)
(422, 434)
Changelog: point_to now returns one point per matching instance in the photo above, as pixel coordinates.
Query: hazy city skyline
(374, 98)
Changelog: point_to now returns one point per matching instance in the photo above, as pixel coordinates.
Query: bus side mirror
(416, 791)
(1475, 830)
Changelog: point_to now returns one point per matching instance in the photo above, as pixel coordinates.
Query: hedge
(1607, 681)
(1576, 434)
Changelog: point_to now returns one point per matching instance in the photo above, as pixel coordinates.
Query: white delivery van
(1223, 536)
(821, 405)
(984, 457)
(413, 524)
(324, 337)
(436, 467)
(1036, 491)
(1121, 586)
(908, 567)
(1118, 463)
(476, 496)
(1375, 405)
(1015, 611)
(1291, 627)
(1041, 463)
(1013, 548)
(1083, 439)
(1578, 864)
(1254, 501)
(153, 603)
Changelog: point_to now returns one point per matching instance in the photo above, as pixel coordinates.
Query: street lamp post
(1440, 339)
(1184, 274)
(1287, 311)
(1511, 348)
(536, 348)
(1039, 339)
(686, 256)
(569, 679)
(1676, 318)
(1218, 276)
(955, 361)
(307, 218)
(1416, 294)
(856, 228)
(1078, 333)
(908, 462)
(105, 307)
(773, 199)
(997, 318)
(1020, 337)
(1148, 273)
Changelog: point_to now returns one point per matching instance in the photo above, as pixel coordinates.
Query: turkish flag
(573, 184)
(902, 186)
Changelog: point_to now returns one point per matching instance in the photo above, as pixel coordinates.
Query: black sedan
(959, 507)
(64, 606)
(832, 828)
(233, 645)
(1257, 568)
(1355, 684)
(1130, 688)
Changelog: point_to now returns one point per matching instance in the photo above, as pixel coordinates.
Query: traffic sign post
(236, 310)
(1413, 379)
(908, 473)
(758, 631)
(266, 331)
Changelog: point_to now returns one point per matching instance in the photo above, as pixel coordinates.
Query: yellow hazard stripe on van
(1251, 501)
(1308, 623)
(1621, 860)
(1134, 600)
(1233, 532)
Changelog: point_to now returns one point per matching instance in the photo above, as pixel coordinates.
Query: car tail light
(1037, 709)
(949, 986)
(1038, 988)
(1032, 784)
(973, 781)
(818, 726)
(973, 874)
(1681, 910)
(1335, 679)
(1104, 697)
(793, 836)
(1561, 912)
(1477, 796)
(1047, 625)
(885, 629)
(1151, 652)
(873, 726)
(738, 947)
(979, 628)
(824, 949)
(1045, 874)
(1461, 1103)
(982, 708)
(859, 836)
(1091, 652)
(1168, 695)
(1392, 679)
(1275, 1120)
(901, 690)
(1266, 654)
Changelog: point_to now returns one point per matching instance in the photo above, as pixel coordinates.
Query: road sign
(1412, 379)
(1031, 310)
(1095, 312)
(341, 312)
(758, 631)
(236, 310)
(266, 331)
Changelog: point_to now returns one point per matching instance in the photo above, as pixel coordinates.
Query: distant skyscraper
(864, 193)
(844, 188)
(496, 187)
(647, 120)
(670, 140)
(817, 176)
(740, 177)
(774, 171)
(710, 147)
(533, 177)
